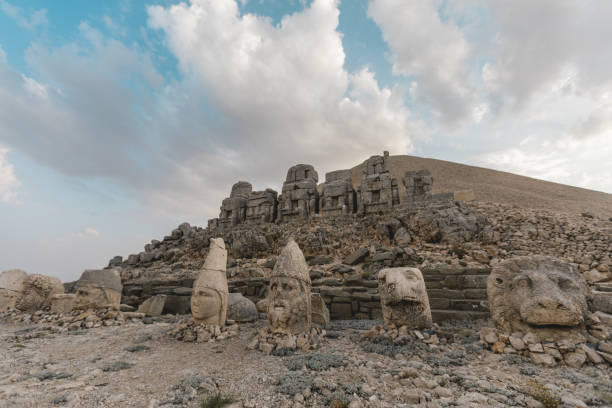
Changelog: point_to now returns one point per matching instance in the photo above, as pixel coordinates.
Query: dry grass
(498, 186)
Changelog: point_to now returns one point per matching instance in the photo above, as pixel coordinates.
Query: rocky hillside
(501, 187)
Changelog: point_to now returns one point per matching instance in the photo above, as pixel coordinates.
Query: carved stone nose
(551, 304)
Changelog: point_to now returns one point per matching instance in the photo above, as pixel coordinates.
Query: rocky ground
(142, 365)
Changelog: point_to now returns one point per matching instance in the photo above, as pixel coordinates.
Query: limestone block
(602, 301)
(62, 303)
(153, 306)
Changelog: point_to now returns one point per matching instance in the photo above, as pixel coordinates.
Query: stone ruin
(404, 298)
(98, 289)
(233, 208)
(262, 206)
(11, 287)
(289, 302)
(300, 197)
(378, 190)
(537, 294)
(338, 196)
(210, 292)
(37, 292)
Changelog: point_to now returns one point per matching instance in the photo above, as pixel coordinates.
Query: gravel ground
(138, 365)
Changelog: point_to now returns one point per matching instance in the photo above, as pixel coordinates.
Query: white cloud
(35, 18)
(88, 232)
(9, 182)
(435, 52)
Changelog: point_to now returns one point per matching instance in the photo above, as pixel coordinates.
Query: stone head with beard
(98, 289)
(37, 292)
(289, 307)
(404, 298)
(210, 292)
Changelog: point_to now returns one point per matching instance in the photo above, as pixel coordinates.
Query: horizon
(121, 120)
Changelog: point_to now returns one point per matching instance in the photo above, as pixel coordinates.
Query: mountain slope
(498, 186)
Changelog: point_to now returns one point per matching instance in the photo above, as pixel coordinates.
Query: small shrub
(542, 394)
(116, 366)
(293, 383)
(284, 351)
(51, 375)
(316, 362)
(529, 370)
(18, 345)
(338, 399)
(62, 399)
(387, 347)
(217, 400)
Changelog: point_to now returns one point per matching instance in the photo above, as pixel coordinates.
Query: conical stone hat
(213, 274)
(291, 263)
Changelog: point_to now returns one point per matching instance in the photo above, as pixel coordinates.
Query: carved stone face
(404, 297)
(98, 289)
(95, 297)
(37, 290)
(533, 292)
(289, 308)
(205, 305)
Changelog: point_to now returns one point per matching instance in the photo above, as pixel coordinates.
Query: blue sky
(121, 119)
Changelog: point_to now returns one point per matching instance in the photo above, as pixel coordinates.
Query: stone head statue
(404, 298)
(98, 289)
(289, 307)
(11, 287)
(534, 292)
(37, 292)
(210, 292)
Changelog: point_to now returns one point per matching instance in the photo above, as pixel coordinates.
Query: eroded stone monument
(536, 293)
(403, 297)
(37, 292)
(233, 208)
(98, 289)
(337, 194)
(289, 303)
(378, 190)
(418, 185)
(210, 292)
(11, 287)
(299, 198)
(262, 206)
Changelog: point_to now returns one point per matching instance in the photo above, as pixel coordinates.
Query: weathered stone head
(210, 292)
(404, 298)
(37, 292)
(532, 292)
(289, 307)
(98, 289)
(11, 287)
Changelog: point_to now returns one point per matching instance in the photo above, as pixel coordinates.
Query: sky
(121, 119)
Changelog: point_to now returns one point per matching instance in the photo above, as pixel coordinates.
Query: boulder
(602, 302)
(241, 309)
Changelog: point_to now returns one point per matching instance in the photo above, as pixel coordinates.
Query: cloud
(87, 232)
(36, 18)
(9, 182)
(432, 51)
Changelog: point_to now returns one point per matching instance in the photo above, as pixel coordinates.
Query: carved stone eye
(499, 281)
